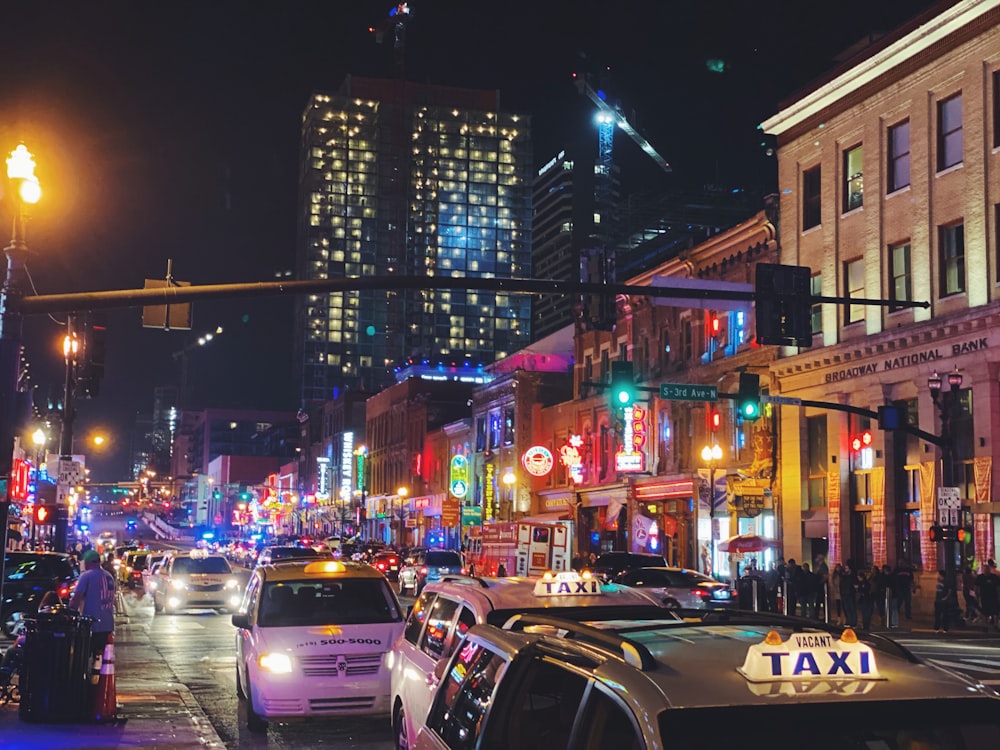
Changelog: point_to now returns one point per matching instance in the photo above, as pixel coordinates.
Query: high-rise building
(403, 179)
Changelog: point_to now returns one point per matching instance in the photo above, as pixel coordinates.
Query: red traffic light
(44, 514)
(859, 442)
(714, 420)
(964, 535)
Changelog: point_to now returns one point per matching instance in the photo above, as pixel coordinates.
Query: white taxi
(311, 641)
(721, 680)
(445, 610)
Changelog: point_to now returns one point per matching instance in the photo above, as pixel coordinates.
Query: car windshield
(288, 553)
(939, 724)
(349, 601)
(194, 566)
(443, 559)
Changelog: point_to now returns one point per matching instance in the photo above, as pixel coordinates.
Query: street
(199, 647)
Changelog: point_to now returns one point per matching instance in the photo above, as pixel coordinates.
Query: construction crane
(399, 16)
(598, 262)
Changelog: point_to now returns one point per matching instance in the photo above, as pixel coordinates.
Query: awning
(565, 515)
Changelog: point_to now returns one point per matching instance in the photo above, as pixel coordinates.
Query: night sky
(171, 130)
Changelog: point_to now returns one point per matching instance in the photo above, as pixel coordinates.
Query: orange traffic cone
(105, 694)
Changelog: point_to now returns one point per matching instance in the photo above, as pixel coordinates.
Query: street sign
(786, 400)
(949, 506)
(688, 392)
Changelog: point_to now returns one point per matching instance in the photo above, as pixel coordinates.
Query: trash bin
(55, 675)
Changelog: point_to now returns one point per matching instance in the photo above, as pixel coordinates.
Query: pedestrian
(792, 581)
(878, 584)
(808, 588)
(95, 590)
(501, 570)
(771, 579)
(863, 587)
(941, 596)
(988, 593)
(836, 604)
(905, 583)
(969, 594)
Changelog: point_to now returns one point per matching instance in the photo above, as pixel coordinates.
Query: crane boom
(622, 122)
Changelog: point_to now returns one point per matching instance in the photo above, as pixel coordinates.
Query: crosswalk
(978, 658)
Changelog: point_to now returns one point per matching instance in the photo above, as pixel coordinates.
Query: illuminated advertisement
(458, 481)
(572, 459)
(537, 461)
(632, 457)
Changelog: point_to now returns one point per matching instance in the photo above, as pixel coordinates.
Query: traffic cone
(105, 694)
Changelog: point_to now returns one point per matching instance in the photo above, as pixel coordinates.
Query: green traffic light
(624, 398)
(751, 410)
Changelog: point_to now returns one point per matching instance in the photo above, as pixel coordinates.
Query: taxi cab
(195, 580)
(446, 610)
(715, 680)
(311, 641)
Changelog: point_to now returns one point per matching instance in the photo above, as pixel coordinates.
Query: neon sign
(572, 459)
(632, 457)
(537, 461)
(459, 476)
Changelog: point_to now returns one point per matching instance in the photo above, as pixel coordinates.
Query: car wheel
(671, 604)
(240, 692)
(255, 722)
(399, 723)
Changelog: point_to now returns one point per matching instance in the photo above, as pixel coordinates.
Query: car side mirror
(241, 620)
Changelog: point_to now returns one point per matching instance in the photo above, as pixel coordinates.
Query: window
(508, 425)
(853, 178)
(951, 250)
(854, 287)
(899, 274)
(996, 109)
(816, 289)
(607, 723)
(949, 141)
(817, 457)
(899, 156)
(465, 696)
(810, 198)
(437, 634)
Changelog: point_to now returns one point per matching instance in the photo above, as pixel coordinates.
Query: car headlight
(276, 663)
(232, 583)
(177, 583)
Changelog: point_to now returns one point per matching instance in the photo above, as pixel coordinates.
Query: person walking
(836, 605)
(988, 593)
(941, 596)
(969, 594)
(95, 591)
(865, 602)
(905, 582)
(849, 594)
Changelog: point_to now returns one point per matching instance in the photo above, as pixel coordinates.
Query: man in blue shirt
(95, 589)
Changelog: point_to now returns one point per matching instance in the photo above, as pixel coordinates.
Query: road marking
(961, 665)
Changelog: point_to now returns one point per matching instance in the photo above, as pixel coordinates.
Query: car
(275, 554)
(27, 577)
(610, 565)
(311, 641)
(433, 564)
(151, 573)
(196, 580)
(132, 565)
(387, 563)
(716, 679)
(445, 611)
(679, 587)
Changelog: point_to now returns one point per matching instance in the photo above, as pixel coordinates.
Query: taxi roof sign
(321, 567)
(568, 583)
(810, 656)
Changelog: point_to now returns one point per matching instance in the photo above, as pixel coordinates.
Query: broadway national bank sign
(907, 360)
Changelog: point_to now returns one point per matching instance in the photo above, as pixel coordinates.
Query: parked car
(679, 588)
(130, 571)
(28, 576)
(610, 565)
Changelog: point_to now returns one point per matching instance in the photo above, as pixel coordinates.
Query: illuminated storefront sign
(572, 459)
(489, 491)
(323, 478)
(537, 461)
(346, 464)
(459, 476)
(632, 456)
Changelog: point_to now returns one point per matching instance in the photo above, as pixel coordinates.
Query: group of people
(853, 594)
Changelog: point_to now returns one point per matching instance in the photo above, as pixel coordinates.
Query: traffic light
(783, 304)
(714, 420)
(964, 536)
(44, 514)
(862, 441)
(622, 384)
(748, 397)
(91, 368)
(940, 533)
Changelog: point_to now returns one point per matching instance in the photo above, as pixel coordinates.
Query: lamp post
(947, 405)
(508, 481)
(26, 190)
(39, 439)
(401, 493)
(711, 455)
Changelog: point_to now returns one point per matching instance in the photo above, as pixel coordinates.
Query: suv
(196, 580)
(432, 565)
(27, 577)
(610, 565)
(446, 610)
(679, 588)
(718, 679)
(312, 640)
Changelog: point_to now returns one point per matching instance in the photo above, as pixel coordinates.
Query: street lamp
(39, 439)
(947, 404)
(401, 493)
(711, 455)
(508, 480)
(26, 191)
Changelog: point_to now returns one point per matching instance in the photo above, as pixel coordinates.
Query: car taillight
(393, 561)
(423, 571)
(380, 566)
(465, 571)
(703, 593)
(63, 592)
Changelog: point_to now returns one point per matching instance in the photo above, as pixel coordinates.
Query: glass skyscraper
(403, 179)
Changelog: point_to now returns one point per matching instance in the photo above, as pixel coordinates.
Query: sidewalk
(158, 711)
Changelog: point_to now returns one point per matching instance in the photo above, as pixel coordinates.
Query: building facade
(889, 174)
(401, 179)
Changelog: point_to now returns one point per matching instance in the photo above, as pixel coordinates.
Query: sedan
(679, 588)
(387, 563)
